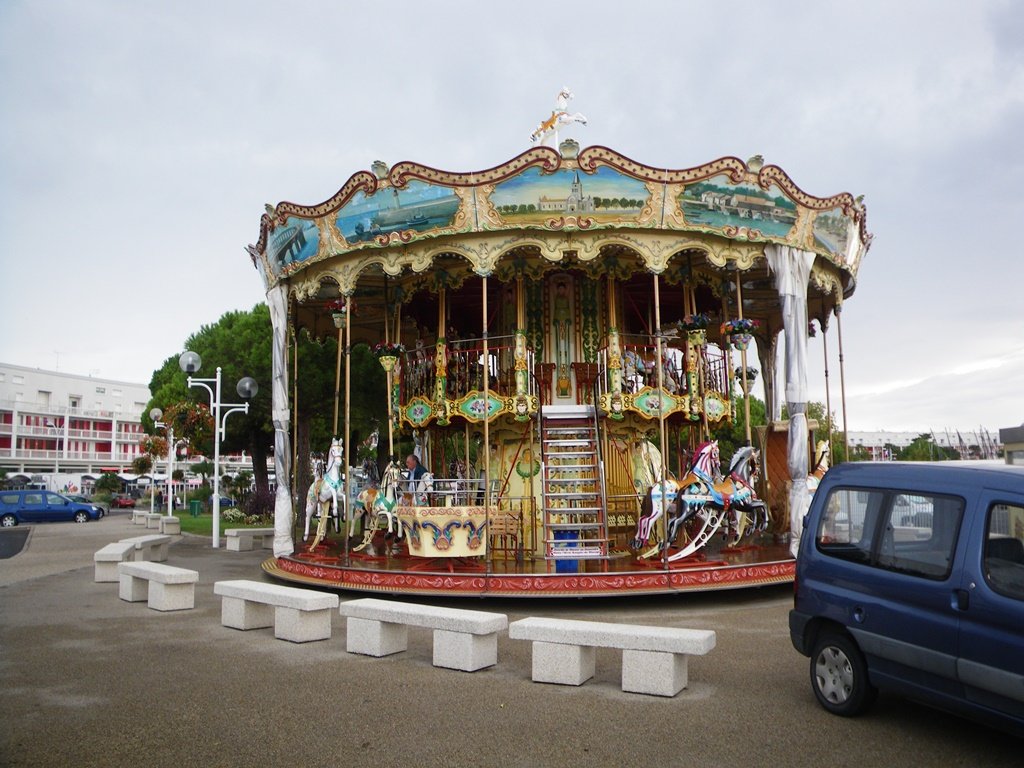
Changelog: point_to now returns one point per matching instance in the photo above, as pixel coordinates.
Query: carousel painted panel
(838, 234)
(293, 243)
(455, 531)
(419, 207)
(734, 209)
(605, 196)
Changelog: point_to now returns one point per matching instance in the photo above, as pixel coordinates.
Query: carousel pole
(337, 381)
(487, 423)
(842, 381)
(348, 414)
(663, 523)
(743, 361)
(295, 413)
(828, 393)
(387, 376)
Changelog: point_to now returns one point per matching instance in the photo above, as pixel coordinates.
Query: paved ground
(89, 680)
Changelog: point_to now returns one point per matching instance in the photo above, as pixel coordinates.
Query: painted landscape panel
(717, 203)
(605, 195)
(297, 240)
(420, 207)
(836, 233)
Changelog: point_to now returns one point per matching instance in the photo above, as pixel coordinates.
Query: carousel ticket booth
(562, 335)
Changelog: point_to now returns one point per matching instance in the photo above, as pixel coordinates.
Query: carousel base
(759, 562)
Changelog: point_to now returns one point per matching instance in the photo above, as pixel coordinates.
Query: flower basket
(740, 340)
(740, 331)
(388, 354)
(698, 322)
(339, 311)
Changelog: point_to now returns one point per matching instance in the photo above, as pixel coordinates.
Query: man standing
(415, 472)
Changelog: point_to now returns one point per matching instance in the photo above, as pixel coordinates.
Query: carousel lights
(190, 362)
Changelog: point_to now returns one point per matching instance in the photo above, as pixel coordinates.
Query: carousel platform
(759, 562)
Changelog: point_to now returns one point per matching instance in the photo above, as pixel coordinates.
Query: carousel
(563, 334)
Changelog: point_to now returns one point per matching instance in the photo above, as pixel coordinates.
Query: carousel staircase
(575, 524)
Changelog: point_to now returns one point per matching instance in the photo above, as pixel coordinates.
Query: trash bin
(563, 565)
(195, 507)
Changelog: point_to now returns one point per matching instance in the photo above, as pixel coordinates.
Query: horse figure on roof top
(559, 116)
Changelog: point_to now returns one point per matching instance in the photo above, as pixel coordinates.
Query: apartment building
(61, 431)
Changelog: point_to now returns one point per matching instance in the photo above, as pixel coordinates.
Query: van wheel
(8, 521)
(839, 676)
(81, 517)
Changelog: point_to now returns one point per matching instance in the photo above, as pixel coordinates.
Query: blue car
(910, 578)
(34, 506)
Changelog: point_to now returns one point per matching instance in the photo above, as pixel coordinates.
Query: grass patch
(203, 525)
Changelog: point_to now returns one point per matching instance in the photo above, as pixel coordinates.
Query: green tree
(923, 448)
(732, 436)
(108, 482)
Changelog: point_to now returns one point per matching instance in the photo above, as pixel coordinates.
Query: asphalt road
(89, 680)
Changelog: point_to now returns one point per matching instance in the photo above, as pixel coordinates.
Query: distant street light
(190, 362)
(156, 414)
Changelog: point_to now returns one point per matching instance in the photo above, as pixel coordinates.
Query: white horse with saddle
(325, 492)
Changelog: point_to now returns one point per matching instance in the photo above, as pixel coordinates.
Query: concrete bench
(139, 516)
(464, 640)
(106, 560)
(243, 539)
(152, 519)
(152, 547)
(298, 615)
(163, 587)
(654, 659)
(169, 524)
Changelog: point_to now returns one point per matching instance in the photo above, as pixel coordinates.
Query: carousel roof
(414, 228)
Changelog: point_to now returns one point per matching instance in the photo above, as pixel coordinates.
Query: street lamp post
(189, 362)
(156, 414)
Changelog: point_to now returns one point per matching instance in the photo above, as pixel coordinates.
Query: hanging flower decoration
(387, 349)
(192, 421)
(337, 305)
(339, 311)
(743, 325)
(697, 322)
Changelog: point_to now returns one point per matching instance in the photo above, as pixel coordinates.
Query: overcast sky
(139, 142)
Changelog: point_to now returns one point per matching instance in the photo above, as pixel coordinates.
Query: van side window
(896, 531)
(9, 498)
(1004, 550)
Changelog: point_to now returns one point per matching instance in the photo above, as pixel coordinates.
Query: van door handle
(961, 599)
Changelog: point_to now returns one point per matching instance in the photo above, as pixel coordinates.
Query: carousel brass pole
(663, 523)
(828, 393)
(743, 361)
(487, 424)
(295, 414)
(387, 340)
(337, 381)
(842, 380)
(349, 315)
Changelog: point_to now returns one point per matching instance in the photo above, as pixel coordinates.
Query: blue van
(35, 506)
(910, 577)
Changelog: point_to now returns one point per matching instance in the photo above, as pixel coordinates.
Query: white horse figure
(316, 466)
(329, 491)
(380, 503)
(559, 116)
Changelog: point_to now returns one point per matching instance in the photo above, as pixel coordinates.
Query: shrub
(259, 505)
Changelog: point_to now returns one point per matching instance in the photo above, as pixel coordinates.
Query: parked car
(122, 501)
(35, 506)
(933, 611)
(85, 500)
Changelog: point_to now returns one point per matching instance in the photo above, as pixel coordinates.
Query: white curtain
(277, 300)
(792, 267)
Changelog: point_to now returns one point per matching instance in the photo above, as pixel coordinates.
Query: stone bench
(139, 516)
(152, 547)
(654, 659)
(243, 539)
(170, 525)
(152, 519)
(163, 587)
(464, 640)
(298, 615)
(108, 557)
